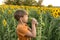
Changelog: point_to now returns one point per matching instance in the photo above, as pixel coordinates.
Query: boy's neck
(21, 23)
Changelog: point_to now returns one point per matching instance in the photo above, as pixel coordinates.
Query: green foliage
(24, 2)
(21, 2)
(47, 29)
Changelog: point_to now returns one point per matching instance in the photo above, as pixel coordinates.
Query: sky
(51, 2)
(1, 2)
(45, 2)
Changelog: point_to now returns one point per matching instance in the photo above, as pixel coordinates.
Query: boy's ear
(20, 19)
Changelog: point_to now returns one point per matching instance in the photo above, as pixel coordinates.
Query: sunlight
(1, 2)
(51, 2)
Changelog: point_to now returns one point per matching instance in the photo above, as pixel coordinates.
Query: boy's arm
(29, 29)
(25, 32)
(33, 31)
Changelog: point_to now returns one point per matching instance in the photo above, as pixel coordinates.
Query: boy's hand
(34, 21)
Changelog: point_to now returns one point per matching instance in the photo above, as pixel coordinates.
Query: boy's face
(25, 18)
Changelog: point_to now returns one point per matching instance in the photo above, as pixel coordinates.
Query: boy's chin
(25, 22)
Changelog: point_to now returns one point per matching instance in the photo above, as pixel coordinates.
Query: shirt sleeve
(22, 31)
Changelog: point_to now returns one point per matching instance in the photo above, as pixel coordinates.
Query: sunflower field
(48, 27)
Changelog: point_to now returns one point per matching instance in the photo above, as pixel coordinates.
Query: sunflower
(4, 22)
(59, 13)
(9, 11)
(55, 14)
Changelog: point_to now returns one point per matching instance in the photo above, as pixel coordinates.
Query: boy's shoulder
(21, 26)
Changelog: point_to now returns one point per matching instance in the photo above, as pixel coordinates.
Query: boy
(23, 31)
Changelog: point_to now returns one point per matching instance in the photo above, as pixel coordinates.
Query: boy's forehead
(27, 15)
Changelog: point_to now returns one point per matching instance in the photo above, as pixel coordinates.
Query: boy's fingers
(35, 21)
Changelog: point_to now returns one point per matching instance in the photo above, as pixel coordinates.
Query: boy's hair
(19, 13)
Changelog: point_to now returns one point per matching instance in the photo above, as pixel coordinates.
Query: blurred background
(43, 2)
(47, 12)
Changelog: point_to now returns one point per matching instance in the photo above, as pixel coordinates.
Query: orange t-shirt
(21, 32)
